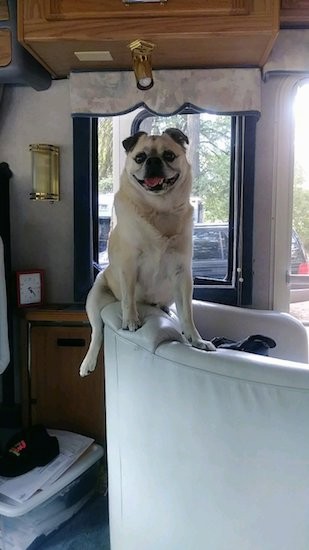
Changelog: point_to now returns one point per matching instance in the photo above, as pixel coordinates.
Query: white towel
(4, 339)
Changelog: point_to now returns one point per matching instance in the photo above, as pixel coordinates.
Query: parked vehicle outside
(299, 272)
(299, 258)
(210, 251)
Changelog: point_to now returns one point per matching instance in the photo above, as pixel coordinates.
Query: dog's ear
(177, 135)
(130, 142)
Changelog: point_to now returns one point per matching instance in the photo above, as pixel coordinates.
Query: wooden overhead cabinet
(186, 33)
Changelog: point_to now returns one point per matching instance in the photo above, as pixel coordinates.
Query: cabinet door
(77, 9)
(59, 397)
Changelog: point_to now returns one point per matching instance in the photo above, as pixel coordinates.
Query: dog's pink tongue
(152, 182)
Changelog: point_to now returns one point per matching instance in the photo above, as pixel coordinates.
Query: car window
(210, 251)
(207, 244)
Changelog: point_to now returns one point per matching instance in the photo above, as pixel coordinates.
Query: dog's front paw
(202, 344)
(86, 368)
(131, 324)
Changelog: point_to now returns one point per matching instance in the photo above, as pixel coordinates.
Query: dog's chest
(154, 282)
(160, 235)
(157, 259)
(168, 225)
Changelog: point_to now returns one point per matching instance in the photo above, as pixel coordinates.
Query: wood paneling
(5, 47)
(199, 33)
(184, 53)
(294, 13)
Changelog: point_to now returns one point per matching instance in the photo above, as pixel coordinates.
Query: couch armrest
(158, 327)
(236, 323)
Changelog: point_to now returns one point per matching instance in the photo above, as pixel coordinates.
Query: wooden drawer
(4, 10)
(5, 47)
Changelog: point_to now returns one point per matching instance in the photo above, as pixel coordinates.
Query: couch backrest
(206, 450)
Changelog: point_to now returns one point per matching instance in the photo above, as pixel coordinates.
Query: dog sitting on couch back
(150, 248)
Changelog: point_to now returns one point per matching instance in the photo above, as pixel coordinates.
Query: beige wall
(42, 233)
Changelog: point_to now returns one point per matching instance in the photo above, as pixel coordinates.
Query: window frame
(284, 285)
(85, 166)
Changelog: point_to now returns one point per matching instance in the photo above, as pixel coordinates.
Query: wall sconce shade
(45, 172)
(141, 56)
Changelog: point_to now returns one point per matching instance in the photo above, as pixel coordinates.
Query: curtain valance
(290, 54)
(214, 90)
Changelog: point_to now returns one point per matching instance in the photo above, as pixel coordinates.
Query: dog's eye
(141, 157)
(169, 156)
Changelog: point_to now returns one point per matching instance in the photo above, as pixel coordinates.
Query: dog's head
(157, 163)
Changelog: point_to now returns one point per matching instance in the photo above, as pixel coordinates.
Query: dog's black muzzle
(155, 180)
(154, 168)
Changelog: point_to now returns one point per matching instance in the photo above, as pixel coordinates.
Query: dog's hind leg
(99, 296)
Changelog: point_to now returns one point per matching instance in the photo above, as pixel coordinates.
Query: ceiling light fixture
(141, 56)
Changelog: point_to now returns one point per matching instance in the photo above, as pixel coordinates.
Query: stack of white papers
(71, 447)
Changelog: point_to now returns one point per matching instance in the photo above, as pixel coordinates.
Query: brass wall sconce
(45, 172)
(141, 56)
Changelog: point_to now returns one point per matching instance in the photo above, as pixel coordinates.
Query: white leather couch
(207, 451)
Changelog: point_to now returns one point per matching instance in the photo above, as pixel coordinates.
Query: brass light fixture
(141, 56)
(45, 172)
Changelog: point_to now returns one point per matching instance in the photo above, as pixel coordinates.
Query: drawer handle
(71, 342)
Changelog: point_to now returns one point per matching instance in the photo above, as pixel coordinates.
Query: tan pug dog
(150, 248)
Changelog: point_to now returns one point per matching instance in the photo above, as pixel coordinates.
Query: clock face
(30, 288)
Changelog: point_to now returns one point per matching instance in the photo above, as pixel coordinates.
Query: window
(221, 153)
(299, 260)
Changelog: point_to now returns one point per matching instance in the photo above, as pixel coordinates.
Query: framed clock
(30, 287)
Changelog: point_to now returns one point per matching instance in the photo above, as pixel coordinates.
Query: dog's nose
(153, 163)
